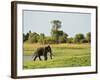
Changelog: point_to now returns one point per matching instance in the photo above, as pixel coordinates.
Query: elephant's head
(48, 49)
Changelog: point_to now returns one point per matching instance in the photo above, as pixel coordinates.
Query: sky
(40, 22)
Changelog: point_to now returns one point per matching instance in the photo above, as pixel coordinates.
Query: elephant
(42, 51)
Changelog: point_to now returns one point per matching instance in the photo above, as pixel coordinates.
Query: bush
(41, 39)
(78, 38)
(70, 40)
(84, 41)
(50, 40)
(62, 39)
(33, 38)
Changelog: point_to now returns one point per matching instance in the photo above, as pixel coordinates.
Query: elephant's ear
(48, 46)
(50, 51)
(44, 49)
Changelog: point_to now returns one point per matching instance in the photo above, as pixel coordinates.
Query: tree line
(57, 36)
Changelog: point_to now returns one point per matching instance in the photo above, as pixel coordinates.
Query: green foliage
(88, 37)
(60, 36)
(56, 24)
(50, 40)
(70, 40)
(83, 41)
(63, 38)
(33, 37)
(57, 36)
(78, 38)
(42, 38)
(25, 37)
(55, 33)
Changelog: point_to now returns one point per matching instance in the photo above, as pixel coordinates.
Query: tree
(42, 38)
(63, 38)
(88, 37)
(50, 40)
(70, 40)
(58, 35)
(56, 24)
(33, 37)
(84, 41)
(78, 38)
(65, 35)
(25, 37)
(55, 33)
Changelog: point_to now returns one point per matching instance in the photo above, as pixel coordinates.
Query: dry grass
(28, 46)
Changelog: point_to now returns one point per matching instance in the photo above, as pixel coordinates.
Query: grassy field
(64, 55)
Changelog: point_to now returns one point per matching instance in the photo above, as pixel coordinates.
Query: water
(29, 58)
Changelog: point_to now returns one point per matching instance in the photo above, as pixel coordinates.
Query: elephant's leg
(35, 57)
(40, 58)
(45, 57)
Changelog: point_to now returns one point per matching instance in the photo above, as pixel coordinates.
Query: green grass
(63, 56)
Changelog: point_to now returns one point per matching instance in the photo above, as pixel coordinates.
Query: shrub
(84, 41)
(50, 40)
